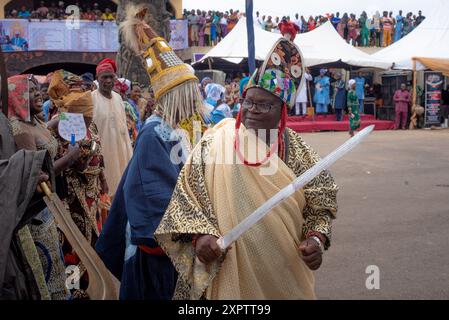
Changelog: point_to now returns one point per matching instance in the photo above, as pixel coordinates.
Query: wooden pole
(414, 83)
(310, 100)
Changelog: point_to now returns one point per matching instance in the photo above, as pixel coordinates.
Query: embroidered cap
(174, 84)
(282, 72)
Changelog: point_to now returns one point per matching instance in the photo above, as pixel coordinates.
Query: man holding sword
(274, 258)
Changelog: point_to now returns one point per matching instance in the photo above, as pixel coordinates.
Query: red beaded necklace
(278, 144)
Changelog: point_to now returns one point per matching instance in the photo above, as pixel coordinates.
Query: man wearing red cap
(110, 117)
(288, 29)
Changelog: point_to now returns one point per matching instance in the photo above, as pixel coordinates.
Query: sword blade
(225, 241)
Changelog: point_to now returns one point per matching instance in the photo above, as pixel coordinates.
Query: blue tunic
(360, 87)
(398, 29)
(322, 97)
(141, 199)
(340, 95)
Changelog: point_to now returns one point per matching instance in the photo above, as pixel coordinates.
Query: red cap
(106, 65)
(288, 27)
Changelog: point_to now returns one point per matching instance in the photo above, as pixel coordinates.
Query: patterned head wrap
(19, 97)
(282, 73)
(67, 95)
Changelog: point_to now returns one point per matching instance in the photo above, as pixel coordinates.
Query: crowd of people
(375, 31)
(137, 101)
(87, 172)
(50, 11)
(152, 211)
(207, 28)
(154, 199)
(330, 93)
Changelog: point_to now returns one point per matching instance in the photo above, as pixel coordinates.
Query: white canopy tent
(324, 45)
(426, 47)
(429, 40)
(234, 47)
(319, 47)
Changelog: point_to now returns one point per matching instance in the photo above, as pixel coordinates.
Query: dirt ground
(393, 214)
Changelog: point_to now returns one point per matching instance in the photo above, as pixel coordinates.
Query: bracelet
(318, 241)
(320, 236)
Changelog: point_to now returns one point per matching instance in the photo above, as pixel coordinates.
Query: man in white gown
(110, 118)
(301, 99)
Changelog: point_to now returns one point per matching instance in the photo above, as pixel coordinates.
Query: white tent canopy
(429, 40)
(324, 45)
(320, 46)
(234, 47)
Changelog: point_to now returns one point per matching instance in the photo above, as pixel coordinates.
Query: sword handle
(45, 189)
(102, 284)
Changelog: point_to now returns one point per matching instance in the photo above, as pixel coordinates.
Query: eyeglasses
(258, 107)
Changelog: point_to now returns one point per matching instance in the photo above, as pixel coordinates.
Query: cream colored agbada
(110, 118)
(212, 198)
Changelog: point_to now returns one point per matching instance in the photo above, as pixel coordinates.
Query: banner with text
(58, 35)
(434, 86)
(73, 35)
(86, 36)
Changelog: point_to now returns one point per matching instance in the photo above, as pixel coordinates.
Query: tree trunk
(129, 65)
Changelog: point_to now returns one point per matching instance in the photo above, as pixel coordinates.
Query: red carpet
(329, 123)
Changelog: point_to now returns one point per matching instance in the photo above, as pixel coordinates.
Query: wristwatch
(318, 241)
